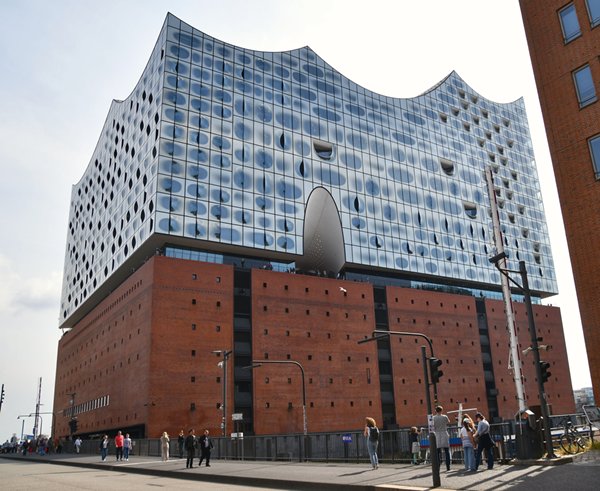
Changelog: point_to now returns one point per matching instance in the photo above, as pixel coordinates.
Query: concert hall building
(262, 205)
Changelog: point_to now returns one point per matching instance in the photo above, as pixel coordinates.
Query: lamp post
(524, 287)
(258, 363)
(71, 425)
(23, 423)
(223, 365)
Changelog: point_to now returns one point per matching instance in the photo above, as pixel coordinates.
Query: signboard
(237, 416)
(347, 438)
(430, 422)
(239, 435)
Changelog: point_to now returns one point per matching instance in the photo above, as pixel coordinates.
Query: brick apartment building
(564, 43)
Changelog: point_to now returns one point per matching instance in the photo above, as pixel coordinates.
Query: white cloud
(18, 292)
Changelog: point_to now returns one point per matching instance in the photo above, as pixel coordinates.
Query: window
(593, 7)
(569, 23)
(595, 152)
(584, 84)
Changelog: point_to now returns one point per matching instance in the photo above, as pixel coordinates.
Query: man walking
(190, 447)
(119, 439)
(484, 442)
(206, 445)
(77, 445)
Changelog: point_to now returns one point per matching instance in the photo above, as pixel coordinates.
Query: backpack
(374, 433)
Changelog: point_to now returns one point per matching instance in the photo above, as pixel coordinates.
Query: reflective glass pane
(586, 92)
(593, 7)
(569, 23)
(595, 151)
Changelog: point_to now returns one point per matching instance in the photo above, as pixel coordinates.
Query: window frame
(595, 157)
(568, 39)
(590, 100)
(593, 22)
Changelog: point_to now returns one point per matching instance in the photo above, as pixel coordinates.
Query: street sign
(237, 416)
(347, 438)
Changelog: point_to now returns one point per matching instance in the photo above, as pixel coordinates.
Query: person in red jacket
(119, 439)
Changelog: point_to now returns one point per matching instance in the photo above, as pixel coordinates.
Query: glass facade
(224, 146)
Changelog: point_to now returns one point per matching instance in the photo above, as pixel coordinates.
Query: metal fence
(347, 447)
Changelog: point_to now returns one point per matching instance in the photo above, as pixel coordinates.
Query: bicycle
(571, 441)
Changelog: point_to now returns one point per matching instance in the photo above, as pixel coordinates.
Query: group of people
(191, 443)
(123, 446)
(475, 438)
(188, 443)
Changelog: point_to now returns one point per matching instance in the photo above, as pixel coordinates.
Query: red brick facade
(148, 348)
(559, 392)
(568, 128)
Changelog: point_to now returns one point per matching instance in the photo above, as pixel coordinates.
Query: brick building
(263, 205)
(564, 42)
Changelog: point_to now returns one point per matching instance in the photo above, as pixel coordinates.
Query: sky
(62, 62)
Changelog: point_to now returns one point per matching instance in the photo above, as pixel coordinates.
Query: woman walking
(468, 443)
(164, 446)
(371, 433)
(442, 439)
(415, 446)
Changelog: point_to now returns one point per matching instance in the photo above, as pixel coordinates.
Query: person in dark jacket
(206, 445)
(190, 447)
(181, 443)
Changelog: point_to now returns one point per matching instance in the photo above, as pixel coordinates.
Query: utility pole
(37, 409)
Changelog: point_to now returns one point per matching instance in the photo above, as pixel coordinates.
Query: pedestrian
(164, 446)
(484, 442)
(77, 445)
(190, 447)
(206, 446)
(371, 433)
(468, 444)
(180, 443)
(104, 447)
(442, 439)
(415, 446)
(119, 445)
(127, 447)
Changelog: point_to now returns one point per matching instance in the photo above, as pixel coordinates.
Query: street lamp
(524, 287)
(379, 334)
(223, 364)
(23, 423)
(258, 363)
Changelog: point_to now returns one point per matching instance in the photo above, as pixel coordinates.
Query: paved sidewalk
(581, 473)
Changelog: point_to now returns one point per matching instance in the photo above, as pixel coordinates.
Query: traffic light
(73, 426)
(544, 366)
(434, 370)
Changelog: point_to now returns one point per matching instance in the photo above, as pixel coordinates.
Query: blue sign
(347, 438)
